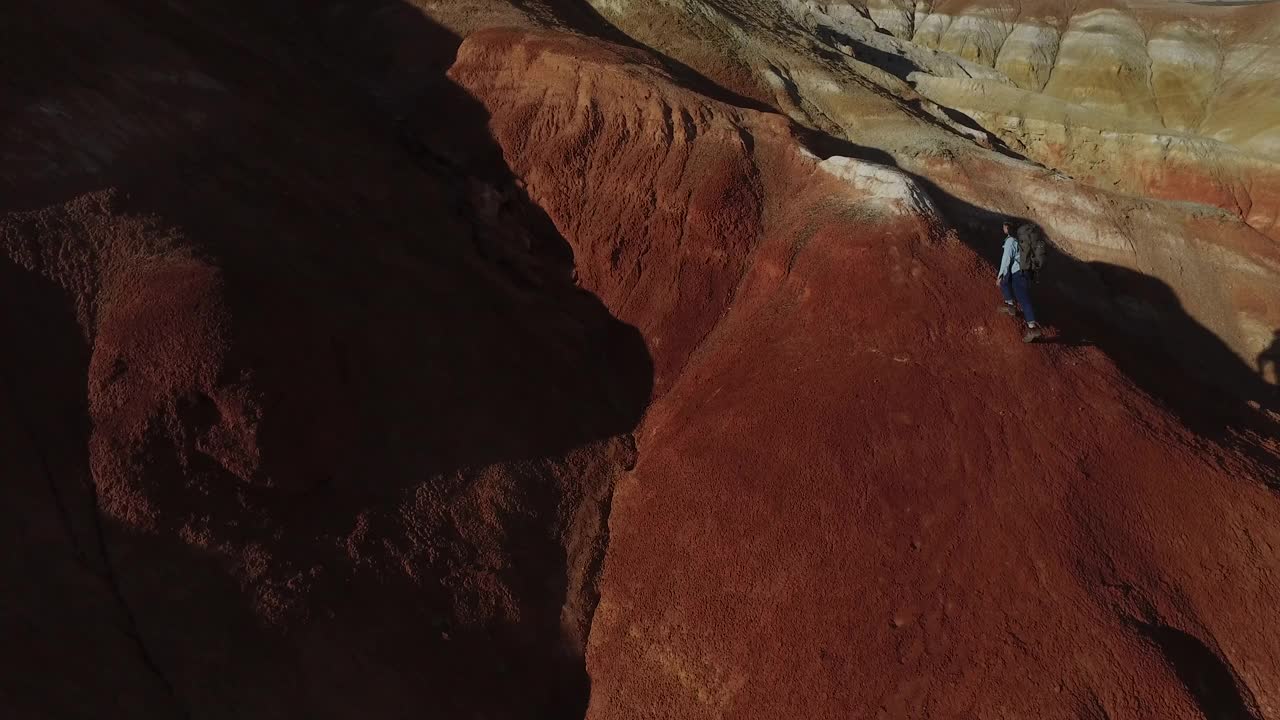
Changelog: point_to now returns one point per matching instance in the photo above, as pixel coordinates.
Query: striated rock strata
(1169, 150)
(922, 534)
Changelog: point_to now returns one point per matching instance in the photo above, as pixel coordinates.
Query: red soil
(858, 494)
(309, 412)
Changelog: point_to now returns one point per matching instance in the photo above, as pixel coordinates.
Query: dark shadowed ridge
(408, 314)
(444, 341)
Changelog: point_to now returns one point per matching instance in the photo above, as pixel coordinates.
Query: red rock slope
(1135, 101)
(858, 495)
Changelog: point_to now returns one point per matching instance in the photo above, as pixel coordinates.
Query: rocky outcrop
(912, 537)
(581, 381)
(965, 86)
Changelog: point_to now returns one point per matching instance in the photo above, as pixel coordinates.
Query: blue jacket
(1009, 262)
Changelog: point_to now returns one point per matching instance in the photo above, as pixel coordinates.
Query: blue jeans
(1015, 287)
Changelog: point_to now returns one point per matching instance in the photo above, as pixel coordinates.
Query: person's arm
(1006, 259)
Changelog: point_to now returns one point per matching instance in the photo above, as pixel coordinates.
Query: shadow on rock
(582, 17)
(354, 433)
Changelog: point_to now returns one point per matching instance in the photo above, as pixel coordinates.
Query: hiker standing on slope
(1017, 267)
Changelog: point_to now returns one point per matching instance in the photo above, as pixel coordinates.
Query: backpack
(1031, 248)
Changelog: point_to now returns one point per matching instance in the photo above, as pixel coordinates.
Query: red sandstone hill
(566, 384)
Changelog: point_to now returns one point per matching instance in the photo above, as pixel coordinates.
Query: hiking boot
(1032, 333)
(1009, 309)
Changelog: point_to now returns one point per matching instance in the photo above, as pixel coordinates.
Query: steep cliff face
(345, 339)
(1183, 93)
(1138, 149)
